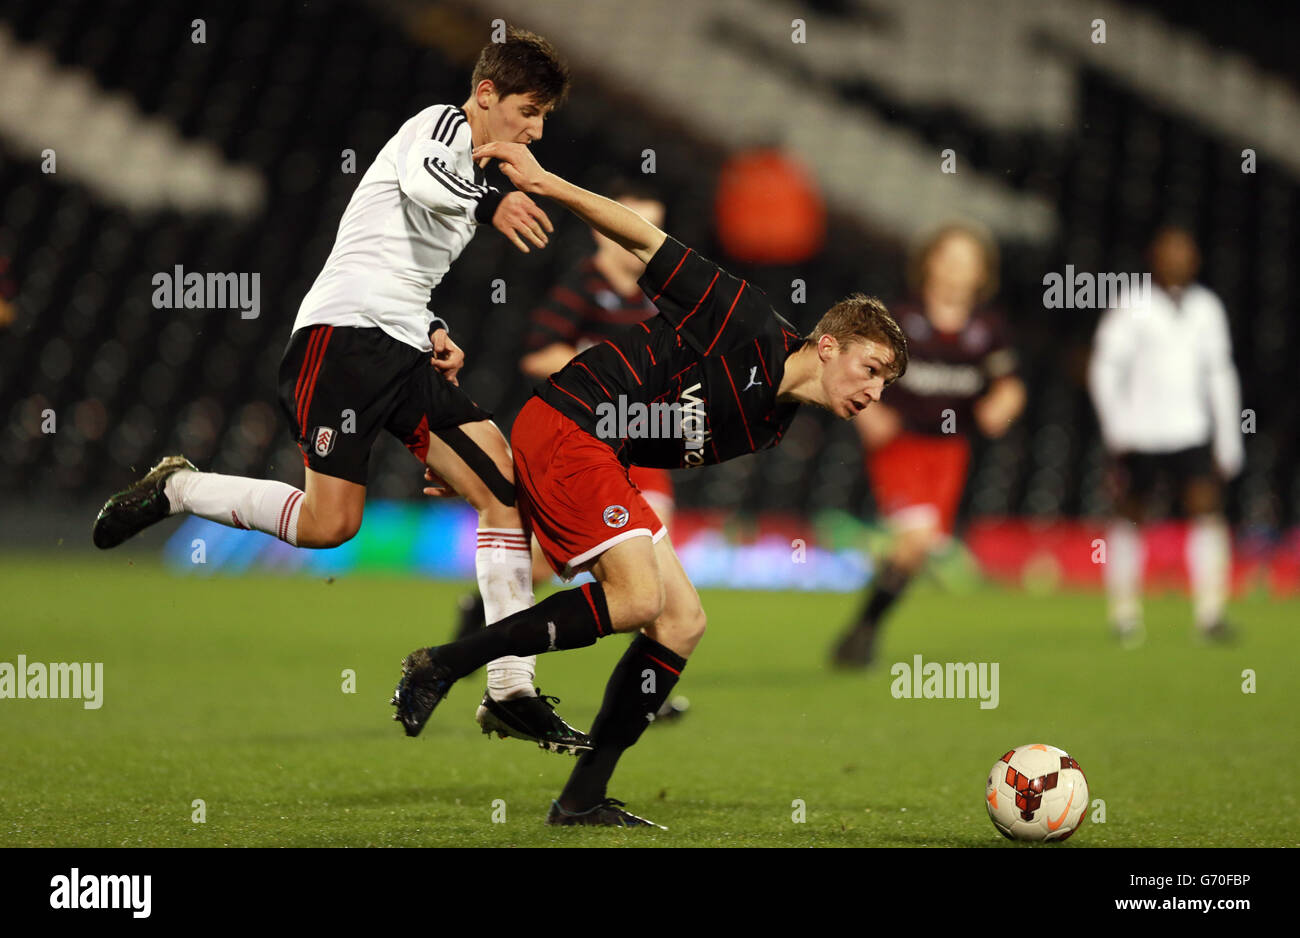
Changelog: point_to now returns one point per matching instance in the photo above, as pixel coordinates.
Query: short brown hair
(921, 254)
(524, 63)
(859, 318)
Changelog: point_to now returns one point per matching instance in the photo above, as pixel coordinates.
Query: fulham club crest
(616, 516)
(322, 440)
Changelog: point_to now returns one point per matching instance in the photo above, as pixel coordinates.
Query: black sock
(641, 682)
(472, 611)
(889, 585)
(568, 619)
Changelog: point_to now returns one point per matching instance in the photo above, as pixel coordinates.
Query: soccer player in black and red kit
(961, 377)
(596, 299)
(736, 372)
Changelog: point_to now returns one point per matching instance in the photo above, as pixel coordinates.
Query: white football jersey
(1162, 377)
(411, 215)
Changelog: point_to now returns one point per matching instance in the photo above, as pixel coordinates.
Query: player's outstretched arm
(615, 221)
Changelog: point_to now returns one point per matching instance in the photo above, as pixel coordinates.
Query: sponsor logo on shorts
(616, 516)
(322, 440)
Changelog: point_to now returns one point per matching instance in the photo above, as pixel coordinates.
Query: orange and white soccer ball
(1036, 792)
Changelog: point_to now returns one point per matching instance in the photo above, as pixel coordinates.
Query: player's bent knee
(913, 547)
(695, 625)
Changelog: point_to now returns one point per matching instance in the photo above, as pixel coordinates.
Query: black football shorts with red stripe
(340, 385)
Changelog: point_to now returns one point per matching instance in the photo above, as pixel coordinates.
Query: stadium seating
(285, 88)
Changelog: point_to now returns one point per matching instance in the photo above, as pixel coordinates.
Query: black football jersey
(694, 385)
(948, 371)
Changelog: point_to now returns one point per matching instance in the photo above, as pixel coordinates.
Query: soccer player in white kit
(366, 354)
(1169, 403)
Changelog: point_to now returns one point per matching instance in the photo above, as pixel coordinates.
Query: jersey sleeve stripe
(457, 187)
(701, 302)
(475, 189)
(739, 405)
(574, 396)
(594, 378)
(763, 362)
(437, 128)
(625, 361)
(449, 132)
(671, 276)
(722, 328)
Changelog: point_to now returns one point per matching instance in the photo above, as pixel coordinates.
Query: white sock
(504, 564)
(1123, 573)
(259, 504)
(1209, 556)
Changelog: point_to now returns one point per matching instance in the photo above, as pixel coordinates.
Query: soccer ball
(1036, 792)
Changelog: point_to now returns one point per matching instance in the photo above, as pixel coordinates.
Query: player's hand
(447, 356)
(1000, 406)
(519, 215)
(993, 420)
(1228, 465)
(438, 487)
(517, 163)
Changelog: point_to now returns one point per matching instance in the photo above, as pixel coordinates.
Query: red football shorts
(572, 490)
(918, 479)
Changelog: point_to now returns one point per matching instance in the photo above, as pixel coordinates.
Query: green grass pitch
(229, 690)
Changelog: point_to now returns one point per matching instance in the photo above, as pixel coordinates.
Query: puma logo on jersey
(753, 379)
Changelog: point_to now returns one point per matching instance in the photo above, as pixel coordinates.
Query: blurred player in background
(596, 300)
(1169, 404)
(961, 377)
(359, 361)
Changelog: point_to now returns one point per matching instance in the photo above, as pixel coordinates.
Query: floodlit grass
(229, 690)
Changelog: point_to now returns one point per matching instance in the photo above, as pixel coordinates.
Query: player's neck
(801, 381)
(477, 135)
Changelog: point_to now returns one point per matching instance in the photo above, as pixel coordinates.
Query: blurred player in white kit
(1169, 403)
